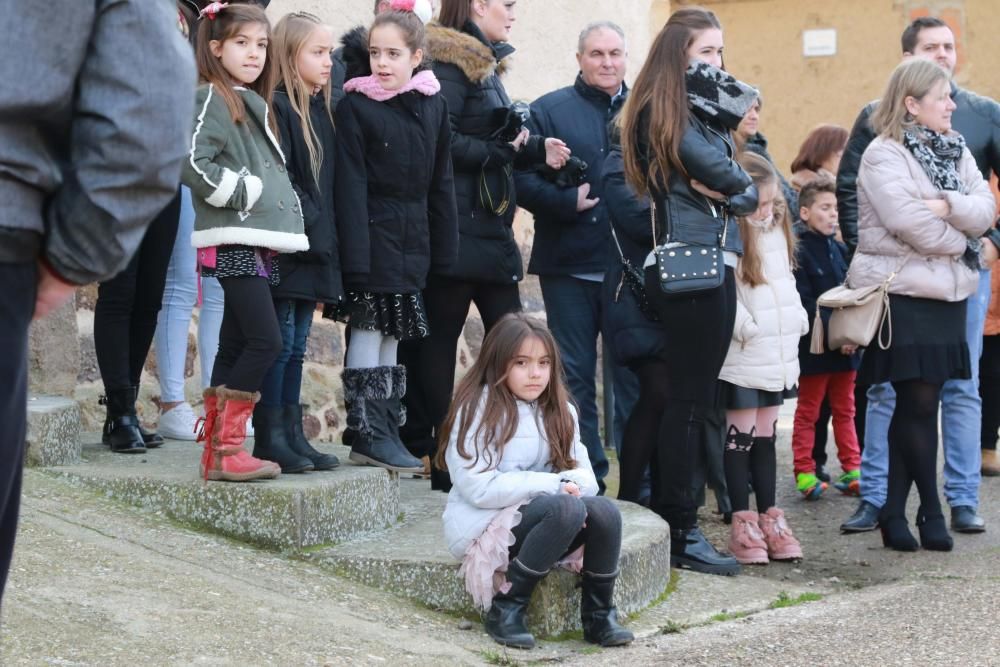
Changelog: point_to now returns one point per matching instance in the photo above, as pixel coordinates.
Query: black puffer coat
(395, 196)
(976, 118)
(707, 152)
(469, 69)
(313, 275)
(630, 335)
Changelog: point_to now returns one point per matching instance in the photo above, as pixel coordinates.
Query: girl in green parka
(246, 213)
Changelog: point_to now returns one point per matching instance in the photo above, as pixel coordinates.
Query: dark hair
(657, 106)
(811, 191)
(414, 33)
(377, 3)
(455, 14)
(225, 26)
(820, 144)
(912, 32)
(498, 414)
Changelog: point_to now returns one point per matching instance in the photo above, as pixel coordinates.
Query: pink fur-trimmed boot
(781, 542)
(746, 543)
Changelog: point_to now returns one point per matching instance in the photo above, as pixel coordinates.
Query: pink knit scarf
(423, 82)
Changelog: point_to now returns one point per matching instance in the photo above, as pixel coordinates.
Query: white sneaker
(178, 423)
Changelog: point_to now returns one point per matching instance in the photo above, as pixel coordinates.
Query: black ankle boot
(300, 445)
(896, 533)
(598, 613)
(933, 532)
(504, 621)
(121, 426)
(690, 550)
(152, 439)
(270, 441)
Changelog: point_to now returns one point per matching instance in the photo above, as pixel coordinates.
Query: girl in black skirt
(396, 220)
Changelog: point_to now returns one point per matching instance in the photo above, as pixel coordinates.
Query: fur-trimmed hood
(468, 50)
(355, 53)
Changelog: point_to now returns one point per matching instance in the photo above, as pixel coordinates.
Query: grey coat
(92, 129)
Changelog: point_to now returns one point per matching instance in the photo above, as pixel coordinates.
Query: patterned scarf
(939, 155)
(715, 94)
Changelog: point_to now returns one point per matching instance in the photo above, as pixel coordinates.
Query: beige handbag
(859, 314)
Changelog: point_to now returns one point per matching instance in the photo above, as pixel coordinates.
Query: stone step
(291, 512)
(411, 560)
(53, 431)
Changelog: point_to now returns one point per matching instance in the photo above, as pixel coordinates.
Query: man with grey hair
(572, 229)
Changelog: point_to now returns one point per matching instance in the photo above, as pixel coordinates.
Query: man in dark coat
(977, 119)
(78, 79)
(572, 241)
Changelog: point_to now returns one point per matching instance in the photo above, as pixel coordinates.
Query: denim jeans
(961, 415)
(283, 382)
(180, 296)
(573, 309)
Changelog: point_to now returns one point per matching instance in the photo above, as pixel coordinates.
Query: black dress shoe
(822, 474)
(865, 518)
(933, 532)
(896, 534)
(690, 550)
(964, 519)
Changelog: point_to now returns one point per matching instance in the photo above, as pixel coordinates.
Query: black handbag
(687, 269)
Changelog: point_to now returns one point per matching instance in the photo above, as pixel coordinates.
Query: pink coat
(893, 220)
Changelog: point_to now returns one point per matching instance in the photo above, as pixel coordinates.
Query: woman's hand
(989, 253)
(556, 153)
(939, 207)
(519, 140)
(848, 350)
(705, 190)
(571, 488)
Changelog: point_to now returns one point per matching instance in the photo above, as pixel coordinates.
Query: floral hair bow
(422, 8)
(212, 10)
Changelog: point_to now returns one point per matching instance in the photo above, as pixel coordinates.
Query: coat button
(281, 206)
(594, 219)
(267, 164)
(281, 169)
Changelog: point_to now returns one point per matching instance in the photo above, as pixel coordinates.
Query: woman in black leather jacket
(468, 47)
(683, 159)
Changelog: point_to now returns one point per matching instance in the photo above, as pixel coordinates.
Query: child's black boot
(270, 441)
(505, 620)
(598, 613)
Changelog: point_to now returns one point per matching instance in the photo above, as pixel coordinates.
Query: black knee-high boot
(598, 612)
(505, 620)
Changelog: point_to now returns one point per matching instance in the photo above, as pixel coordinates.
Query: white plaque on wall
(819, 42)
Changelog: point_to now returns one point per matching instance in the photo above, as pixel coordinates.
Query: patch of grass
(786, 600)
(590, 650)
(569, 635)
(502, 658)
(672, 628)
(724, 616)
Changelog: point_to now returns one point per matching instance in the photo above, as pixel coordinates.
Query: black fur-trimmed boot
(504, 621)
(598, 612)
(121, 426)
(367, 391)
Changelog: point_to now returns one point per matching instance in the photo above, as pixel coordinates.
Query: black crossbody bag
(688, 269)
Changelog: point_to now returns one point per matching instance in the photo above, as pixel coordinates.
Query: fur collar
(355, 53)
(423, 82)
(476, 59)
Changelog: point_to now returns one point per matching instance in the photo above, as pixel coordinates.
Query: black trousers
(17, 303)
(249, 337)
(697, 331)
(989, 390)
(127, 305)
(430, 362)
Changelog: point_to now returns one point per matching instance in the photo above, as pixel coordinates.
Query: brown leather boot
(991, 464)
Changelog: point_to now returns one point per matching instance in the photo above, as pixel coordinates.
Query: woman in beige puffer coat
(761, 370)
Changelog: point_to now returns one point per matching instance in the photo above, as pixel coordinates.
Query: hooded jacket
(314, 274)
(764, 351)
(975, 117)
(239, 185)
(567, 242)
(469, 68)
(395, 196)
(898, 233)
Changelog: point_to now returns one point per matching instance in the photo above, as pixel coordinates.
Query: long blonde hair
(290, 37)
(911, 78)
(751, 265)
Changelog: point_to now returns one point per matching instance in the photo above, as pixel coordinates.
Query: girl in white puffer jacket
(761, 370)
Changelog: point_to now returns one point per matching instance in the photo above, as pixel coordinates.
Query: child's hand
(571, 488)
(520, 139)
(848, 350)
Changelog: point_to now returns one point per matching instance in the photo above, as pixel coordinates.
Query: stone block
(289, 513)
(54, 353)
(412, 560)
(53, 431)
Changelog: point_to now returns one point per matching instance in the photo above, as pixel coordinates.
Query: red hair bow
(212, 10)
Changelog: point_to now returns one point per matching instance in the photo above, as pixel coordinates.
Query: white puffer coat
(481, 492)
(770, 319)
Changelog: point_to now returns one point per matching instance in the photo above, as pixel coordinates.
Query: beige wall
(545, 34)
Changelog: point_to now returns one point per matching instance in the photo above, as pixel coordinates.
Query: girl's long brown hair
(660, 95)
(751, 265)
(290, 37)
(226, 25)
(498, 417)
(819, 145)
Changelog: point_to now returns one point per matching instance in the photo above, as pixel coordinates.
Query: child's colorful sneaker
(849, 483)
(809, 485)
